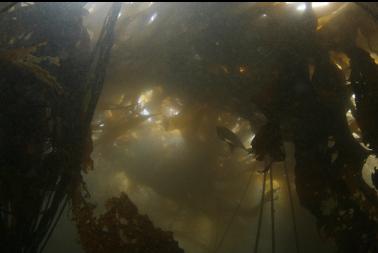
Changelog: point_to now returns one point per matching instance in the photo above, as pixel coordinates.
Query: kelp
(273, 60)
(363, 81)
(39, 162)
(24, 59)
(119, 229)
(280, 69)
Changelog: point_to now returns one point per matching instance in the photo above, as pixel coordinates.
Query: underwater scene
(196, 127)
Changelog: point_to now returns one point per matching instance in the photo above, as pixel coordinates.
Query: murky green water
(152, 127)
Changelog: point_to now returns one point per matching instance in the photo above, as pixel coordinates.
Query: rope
(257, 239)
(292, 209)
(272, 211)
(234, 213)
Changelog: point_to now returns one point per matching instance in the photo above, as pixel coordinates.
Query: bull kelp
(143, 127)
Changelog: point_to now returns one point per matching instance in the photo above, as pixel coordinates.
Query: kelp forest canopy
(188, 127)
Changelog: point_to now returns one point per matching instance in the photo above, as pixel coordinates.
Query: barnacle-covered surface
(198, 98)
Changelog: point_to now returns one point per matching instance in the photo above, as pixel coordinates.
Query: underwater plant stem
(55, 222)
(272, 211)
(296, 241)
(99, 61)
(244, 193)
(257, 239)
